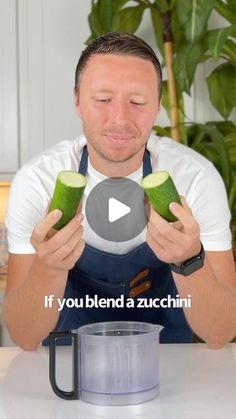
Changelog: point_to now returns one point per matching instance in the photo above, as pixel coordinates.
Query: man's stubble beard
(122, 158)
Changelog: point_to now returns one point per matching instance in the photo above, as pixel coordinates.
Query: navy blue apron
(137, 274)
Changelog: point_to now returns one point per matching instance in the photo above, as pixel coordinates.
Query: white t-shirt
(195, 177)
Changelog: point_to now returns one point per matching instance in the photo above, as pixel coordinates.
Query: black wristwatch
(190, 265)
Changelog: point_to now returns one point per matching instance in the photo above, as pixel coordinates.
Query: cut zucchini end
(72, 179)
(154, 179)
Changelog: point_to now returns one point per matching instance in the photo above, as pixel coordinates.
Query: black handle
(68, 395)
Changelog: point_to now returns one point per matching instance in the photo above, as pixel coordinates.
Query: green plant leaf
(208, 151)
(224, 10)
(202, 135)
(117, 4)
(232, 197)
(230, 142)
(232, 5)
(215, 40)
(157, 24)
(105, 14)
(193, 16)
(187, 58)
(208, 140)
(222, 88)
(172, 4)
(165, 98)
(192, 132)
(177, 31)
(102, 15)
(218, 141)
(233, 34)
(183, 132)
(94, 22)
(128, 19)
(226, 127)
(162, 131)
(162, 6)
(230, 50)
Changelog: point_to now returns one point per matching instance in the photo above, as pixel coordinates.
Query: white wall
(51, 38)
(8, 88)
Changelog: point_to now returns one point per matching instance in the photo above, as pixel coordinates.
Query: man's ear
(76, 102)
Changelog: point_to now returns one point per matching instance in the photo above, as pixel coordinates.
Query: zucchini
(67, 194)
(161, 191)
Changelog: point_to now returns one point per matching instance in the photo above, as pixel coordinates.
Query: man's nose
(120, 112)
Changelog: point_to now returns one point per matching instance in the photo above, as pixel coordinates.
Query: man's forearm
(212, 315)
(24, 312)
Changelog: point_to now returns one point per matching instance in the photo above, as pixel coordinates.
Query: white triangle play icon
(116, 209)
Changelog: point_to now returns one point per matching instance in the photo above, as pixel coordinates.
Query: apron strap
(83, 166)
(147, 167)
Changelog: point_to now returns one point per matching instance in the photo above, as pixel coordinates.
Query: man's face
(118, 101)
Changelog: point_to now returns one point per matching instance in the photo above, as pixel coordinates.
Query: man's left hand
(174, 242)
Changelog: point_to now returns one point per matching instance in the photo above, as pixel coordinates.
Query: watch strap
(190, 265)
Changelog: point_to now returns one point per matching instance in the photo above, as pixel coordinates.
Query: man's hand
(58, 249)
(174, 242)
(32, 277)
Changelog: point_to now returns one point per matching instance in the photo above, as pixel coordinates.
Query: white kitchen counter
(196, 383)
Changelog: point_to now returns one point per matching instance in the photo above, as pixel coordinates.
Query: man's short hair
(119, 43)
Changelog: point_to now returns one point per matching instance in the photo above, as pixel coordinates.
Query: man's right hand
(61, 249)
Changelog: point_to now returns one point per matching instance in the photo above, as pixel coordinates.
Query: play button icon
(115, 209)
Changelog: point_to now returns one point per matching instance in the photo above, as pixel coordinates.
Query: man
(117, 96)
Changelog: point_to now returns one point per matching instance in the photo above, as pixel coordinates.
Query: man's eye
(137, 103)
(103, 100)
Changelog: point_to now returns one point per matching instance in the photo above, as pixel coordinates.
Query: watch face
(189, 267)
